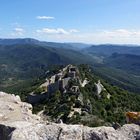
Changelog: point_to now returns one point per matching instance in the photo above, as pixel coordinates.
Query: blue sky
(89, 21)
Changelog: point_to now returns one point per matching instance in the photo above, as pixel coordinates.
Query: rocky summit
(18, 123)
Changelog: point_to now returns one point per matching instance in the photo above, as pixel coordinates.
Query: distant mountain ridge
(129, 62)
(18, 41)
(109, 49)
(31, 41)
(102, 48)
(28, 59)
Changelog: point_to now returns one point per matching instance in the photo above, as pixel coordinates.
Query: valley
(23, 62)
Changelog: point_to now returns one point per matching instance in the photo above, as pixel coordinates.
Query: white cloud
(118, 36)
(18, 31)
(122, 33)
(45, 17)
(73, 31)
(56, 31)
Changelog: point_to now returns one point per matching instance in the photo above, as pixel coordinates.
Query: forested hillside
(24, 62)
(94, 104)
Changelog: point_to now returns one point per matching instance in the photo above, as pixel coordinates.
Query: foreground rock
(18, 123)
(29, 131)
(13, 109)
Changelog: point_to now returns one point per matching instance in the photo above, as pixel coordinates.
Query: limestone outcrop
(21, 130)
(13, 109)
(18, 123)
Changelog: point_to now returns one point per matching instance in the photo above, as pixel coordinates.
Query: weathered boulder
(102, 133)
(71, 132)
(36, 132)
(99, 88)
(13, 109)
(74, 132)
(130, 131)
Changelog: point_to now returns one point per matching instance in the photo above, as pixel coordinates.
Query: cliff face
(18, 123)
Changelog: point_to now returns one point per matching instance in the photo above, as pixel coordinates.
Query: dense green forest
(96, 110)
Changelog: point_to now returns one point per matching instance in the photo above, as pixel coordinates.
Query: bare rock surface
(18, 123)
(13, 109)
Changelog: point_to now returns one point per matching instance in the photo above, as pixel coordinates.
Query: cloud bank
(54, 31)
(118, 36)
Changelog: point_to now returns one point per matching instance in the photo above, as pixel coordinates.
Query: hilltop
(76, 95)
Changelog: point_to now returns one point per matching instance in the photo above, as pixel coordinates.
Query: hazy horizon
(90, 21)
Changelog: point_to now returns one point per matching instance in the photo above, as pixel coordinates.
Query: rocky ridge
(18, 123)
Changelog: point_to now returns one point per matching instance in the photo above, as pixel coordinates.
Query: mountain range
(25, 61)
